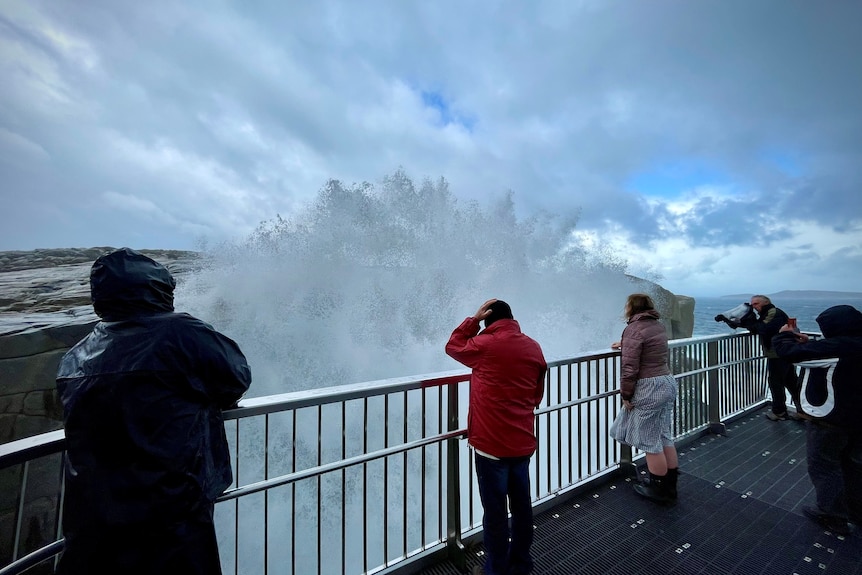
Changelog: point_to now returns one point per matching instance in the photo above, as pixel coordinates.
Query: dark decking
(739, 511)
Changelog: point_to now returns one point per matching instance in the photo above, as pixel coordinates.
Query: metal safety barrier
(376, 477)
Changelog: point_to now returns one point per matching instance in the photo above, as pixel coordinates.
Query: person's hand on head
(485, 310)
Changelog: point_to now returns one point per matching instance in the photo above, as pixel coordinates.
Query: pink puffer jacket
(644, 351)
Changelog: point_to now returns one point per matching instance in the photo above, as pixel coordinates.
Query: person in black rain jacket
(142, 397)
(834, 437)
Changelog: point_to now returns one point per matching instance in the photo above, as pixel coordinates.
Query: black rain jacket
(841, 326)
(142, 397)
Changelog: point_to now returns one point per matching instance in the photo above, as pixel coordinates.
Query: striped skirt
(648, 426)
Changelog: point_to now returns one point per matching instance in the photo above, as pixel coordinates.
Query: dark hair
(499, 310)
(637, 303)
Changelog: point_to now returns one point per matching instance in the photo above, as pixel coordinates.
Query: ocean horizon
(804, 309)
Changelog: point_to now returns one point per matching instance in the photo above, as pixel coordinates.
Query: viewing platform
(739, 512)
(376, 478)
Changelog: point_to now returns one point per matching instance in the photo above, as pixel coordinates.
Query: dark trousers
(835, 469)
(782, 376)
(505, 481)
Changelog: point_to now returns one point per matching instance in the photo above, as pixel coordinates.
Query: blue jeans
(503, 481)
(835, 468)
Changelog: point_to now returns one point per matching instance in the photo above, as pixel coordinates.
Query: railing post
(714, 390)
(627, 466)
(454, 545)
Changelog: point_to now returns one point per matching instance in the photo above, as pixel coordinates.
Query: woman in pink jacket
(649, 392)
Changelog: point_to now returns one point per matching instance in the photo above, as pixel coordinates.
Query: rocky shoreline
(51, 286)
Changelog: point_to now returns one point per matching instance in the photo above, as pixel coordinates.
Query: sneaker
(776, 416)
(834, 524)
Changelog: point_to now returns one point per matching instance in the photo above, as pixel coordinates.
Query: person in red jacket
(506, 386)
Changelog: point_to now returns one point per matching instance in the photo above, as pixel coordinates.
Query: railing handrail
(24, 450)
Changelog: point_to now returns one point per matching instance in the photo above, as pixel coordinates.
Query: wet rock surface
(41, 288)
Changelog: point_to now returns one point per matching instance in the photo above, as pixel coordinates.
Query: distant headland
(804, 294)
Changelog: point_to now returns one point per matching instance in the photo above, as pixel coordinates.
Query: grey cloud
(569, 101)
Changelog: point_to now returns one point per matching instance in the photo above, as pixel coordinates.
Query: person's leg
(775, 374)
(493, 477)
(657, 463)
(825, 446)
(791, 381)
(852, 471)
(671, 457)
(658, 431)
(521, 505)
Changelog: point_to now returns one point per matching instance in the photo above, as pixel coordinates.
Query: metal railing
(376, 478)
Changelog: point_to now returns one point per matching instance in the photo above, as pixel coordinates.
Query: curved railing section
(376, 477)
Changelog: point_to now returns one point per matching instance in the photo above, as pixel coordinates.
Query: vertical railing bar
(616, 372)
(471, 472)
(386, 480)
(266, 496)
(607, 403)
(572, 434)
(236, 502)
(344, 488)
(319, 488)
(365, 487)
(423, 453)
(581, 411)
(61, 499)
(455, 548)
(19, 520)
(589, 419)
(559, 427)
(440, 528)
(293, 494)
(404, 472)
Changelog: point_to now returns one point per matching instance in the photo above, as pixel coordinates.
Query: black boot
(655, 490)
(672, 476)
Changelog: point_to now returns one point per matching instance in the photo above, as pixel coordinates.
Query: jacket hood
(126, 283)
(840, 320)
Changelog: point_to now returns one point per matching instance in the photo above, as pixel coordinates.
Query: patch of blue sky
(447, 116)
(670, 179)
(785, 161)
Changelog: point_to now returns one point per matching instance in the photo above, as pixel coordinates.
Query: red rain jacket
(506, 386)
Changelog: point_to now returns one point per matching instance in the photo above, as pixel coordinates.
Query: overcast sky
(714, 145)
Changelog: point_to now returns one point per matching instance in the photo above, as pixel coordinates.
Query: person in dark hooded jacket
(834, 437)
(147, 454)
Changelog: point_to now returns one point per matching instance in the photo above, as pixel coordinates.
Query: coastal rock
(42, 288)
(44, 310)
